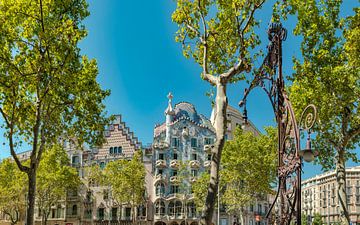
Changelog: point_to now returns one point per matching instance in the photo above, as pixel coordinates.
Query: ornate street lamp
(269, 77)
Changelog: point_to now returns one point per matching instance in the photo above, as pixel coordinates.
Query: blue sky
(139, 61)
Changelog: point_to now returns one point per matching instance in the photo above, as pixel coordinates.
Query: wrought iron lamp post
(270, 78)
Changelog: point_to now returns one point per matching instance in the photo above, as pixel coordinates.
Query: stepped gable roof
(125, 130)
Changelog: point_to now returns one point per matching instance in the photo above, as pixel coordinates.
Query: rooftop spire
(169, 110)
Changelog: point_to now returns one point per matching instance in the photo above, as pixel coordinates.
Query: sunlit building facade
(319, 195)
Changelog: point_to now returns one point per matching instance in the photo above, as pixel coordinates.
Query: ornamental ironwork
(270, 78)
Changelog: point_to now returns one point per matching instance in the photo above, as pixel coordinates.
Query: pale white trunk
(242, 222)
(341, 191)
(220, 129)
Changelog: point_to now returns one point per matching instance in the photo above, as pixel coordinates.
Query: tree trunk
(241, 217)
(220, 129)
(341, 181)
(31, 196)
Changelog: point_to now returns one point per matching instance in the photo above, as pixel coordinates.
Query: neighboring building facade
(92, 204)
(319, 195)
(180, 143)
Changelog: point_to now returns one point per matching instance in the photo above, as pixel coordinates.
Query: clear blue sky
(139, 61)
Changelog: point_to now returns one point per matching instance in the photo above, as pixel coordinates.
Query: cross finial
(169, 109)
(170, 96)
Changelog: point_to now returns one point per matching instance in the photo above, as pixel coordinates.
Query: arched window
(191, 210)
(115, 150)
(111, 150)
(74, 210)
(75, 159)
(178, 208)
(102, 165)
(119, 149)
(160, 208)
(160, 189)
(171, 209)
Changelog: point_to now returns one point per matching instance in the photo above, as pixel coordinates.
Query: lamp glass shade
(308, 155)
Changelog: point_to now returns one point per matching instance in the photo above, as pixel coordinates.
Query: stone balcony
(174, 179)
(159, 177)
(194, 163)
(207, 164)
(174, 163)
(207, 148)
(161, 145)
(160, 163)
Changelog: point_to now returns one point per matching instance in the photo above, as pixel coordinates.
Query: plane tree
(48, 89)
(218, 35)
(328, 76)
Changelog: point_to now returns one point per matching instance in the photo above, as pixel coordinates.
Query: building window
(194, 173)
(178, 208)
(175, 142)
(193, 142)
(88, 213)
(141, 211)
(115, 150)
(75, 160)
(160, 208)
(259, 208)
(119, 150)
(174, 189)
(127, 213)
(251, 208)
(101, 213)
(174, 173)
(171, 209)
(175, 155)
(111, 150)
(160, 189)
(114, 213)
(102, 165)
(59, 211)
(191, 210)
(193, 156)
(208, 141)
(161, 156)
(74, 210)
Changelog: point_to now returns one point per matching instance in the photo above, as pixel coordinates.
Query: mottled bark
(31, 196)
(220, 128)
(341, 191)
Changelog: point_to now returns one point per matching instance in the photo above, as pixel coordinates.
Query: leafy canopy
(55, 177)
(249, 169)
(218, 34)
(328, 75)
(126, 179)
(47, 88)
(12, 189)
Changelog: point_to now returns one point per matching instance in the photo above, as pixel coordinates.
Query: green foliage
(317, 220)
(126, 179)
(328, 76)
(249, 169)
(43, 72)
(48, 90)
(199, 188)
(12, 190)
(94, 175)
(55, 177)
(225, 28)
